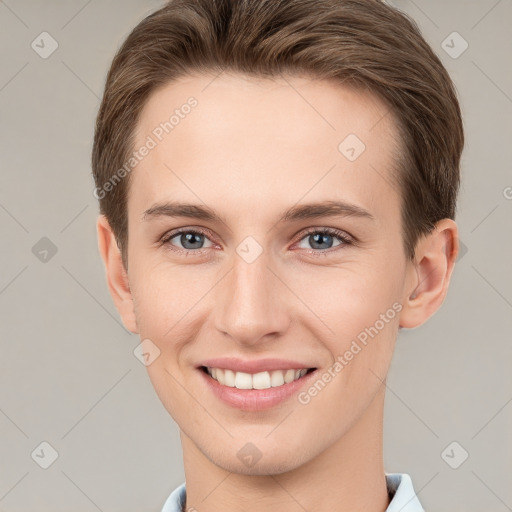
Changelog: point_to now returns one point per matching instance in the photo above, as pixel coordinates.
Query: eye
(321, 240)
(190, 240)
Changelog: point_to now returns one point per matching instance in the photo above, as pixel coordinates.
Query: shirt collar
(404, 498)
(400, 489)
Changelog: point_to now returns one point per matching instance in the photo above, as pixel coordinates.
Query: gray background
(68, 375)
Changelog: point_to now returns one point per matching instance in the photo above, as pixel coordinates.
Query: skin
(250, 150)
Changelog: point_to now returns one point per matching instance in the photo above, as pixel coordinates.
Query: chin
(275, 463)
(262, 468)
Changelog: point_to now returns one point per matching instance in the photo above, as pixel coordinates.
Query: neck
(345, 477)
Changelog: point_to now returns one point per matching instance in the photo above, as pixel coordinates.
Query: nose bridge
(248, 306)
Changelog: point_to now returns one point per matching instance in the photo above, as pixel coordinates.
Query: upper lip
(254, 366)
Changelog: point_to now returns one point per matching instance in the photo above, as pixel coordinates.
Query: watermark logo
(463, 249)
(454, 455)
(44, 250)
(44, 455)
(146, 352)
(249, 249)
(249, 454)
(351, 147)
(44, 45)
(454, 45)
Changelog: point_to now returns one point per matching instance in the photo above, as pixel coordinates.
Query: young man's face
(255, 286)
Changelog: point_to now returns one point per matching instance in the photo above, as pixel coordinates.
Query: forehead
(259, 139)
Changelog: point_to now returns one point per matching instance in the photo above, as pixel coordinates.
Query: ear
(117, 277)
(429, 274)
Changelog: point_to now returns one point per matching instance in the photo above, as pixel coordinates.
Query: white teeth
(229, 378)
(277, 379)
(219, 376)
(261, 380)
(289, 376)
(243, 380)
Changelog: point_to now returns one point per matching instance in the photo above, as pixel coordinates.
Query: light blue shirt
(399, 485)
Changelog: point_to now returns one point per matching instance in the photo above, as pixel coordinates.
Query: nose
(250, 304)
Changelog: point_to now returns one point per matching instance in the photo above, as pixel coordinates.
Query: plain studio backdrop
(68, 374)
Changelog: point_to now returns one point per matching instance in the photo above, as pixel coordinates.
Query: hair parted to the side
(363, 43)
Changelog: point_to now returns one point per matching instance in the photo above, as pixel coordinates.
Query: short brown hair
(364, 43)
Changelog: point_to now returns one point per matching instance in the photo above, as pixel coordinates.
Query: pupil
(189, 238)
(319, 236)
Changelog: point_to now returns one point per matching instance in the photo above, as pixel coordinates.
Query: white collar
(399, 485)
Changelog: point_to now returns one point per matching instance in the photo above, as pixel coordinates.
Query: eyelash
(342, 236)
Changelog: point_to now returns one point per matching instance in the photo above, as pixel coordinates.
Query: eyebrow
(295, 213)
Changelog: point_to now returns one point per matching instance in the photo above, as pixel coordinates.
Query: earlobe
(117, 277)
(429, 275)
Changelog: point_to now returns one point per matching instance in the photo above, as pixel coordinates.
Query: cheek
(352, 296)
(164, 296)
(357, 311)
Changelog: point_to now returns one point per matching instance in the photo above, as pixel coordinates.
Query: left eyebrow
(325, 209)
(295, 213)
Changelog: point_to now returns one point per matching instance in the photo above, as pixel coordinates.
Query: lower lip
(256, 399)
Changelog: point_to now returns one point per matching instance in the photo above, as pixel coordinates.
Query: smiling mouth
(260, 380)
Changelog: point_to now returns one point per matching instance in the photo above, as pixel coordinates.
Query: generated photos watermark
(342, 360)
(157, 135)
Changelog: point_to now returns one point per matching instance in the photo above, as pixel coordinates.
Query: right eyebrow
(176, 209)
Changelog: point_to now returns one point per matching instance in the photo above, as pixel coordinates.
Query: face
(311, 288)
